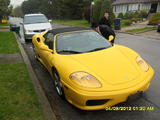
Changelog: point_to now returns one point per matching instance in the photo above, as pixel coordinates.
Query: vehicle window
(49, 40)
(35, 19)
(80, 42)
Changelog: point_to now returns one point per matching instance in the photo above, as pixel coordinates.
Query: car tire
(26, 40)
(36, 57)
(58, 84)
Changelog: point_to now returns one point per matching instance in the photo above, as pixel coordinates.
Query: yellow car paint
(111, 37)
(115, 68)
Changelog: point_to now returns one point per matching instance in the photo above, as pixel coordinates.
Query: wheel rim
(58, 84)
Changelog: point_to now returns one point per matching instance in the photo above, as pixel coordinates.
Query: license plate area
(134, 96)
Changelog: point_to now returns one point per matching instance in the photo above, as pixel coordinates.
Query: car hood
(110, 66)
(37, 26)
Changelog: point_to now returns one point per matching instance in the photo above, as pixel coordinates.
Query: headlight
(49, 29)
(143, 65)
(30, 30)
(86, 80)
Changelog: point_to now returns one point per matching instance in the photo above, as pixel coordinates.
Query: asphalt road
(149, 49)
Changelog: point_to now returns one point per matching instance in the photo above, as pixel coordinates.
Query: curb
(135, 32)
(139, 34)
(49, 114)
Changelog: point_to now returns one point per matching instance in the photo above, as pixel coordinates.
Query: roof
(68, 29)
(133, 1)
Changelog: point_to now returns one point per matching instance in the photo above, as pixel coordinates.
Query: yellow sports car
(88, 71)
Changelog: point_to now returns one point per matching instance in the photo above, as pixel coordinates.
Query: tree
(107, 7)
(68, 9)
(87, 12)
(71, 9)
(96, 10)
(60, 9)
(10, 9)
(31, 6)
(100, 7)
(4, 12)
(17, 12)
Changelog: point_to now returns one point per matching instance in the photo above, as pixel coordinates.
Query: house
(123, 6)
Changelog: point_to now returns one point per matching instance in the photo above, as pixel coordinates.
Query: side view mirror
(39, 38)
(21, 23)
(45, 48)
(50, 20)
(111, 37)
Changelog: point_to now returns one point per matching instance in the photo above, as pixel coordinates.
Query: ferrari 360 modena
(88, 71)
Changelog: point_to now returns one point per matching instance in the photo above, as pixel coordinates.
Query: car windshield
(80, 42)
(35, 19)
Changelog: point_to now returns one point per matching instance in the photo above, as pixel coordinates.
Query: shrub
(139, 19)
(154, 19)
(143, 14)
(136, 19)
(128, 15)
(135, 14)
(128, 22)
(120, 15)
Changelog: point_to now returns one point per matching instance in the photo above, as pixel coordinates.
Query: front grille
(39, 30)
(96, 102)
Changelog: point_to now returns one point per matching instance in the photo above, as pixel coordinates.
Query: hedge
(154, 19)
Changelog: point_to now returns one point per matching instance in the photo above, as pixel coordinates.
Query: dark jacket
(106, 31)
(104, 21)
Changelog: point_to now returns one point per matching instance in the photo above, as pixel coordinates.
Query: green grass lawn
(80, 23)
(2, 24)
(4, 27)
(8, 43)
(123, 23)
(18, 100)
(141, 29)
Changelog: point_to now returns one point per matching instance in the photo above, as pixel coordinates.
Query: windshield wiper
(69, 51)
(96, 49)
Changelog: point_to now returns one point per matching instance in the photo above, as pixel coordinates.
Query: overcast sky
(16, 2)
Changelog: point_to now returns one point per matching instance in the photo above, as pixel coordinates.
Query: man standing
(103, 30)
(104, 20)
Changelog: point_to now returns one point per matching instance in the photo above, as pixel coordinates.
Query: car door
(47, 56)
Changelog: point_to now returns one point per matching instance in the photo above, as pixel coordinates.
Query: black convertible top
(67, 29)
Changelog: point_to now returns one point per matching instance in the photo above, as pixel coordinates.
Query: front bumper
(80, 98)
(28, 36)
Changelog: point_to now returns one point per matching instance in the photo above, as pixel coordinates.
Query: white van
(35, 23)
